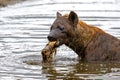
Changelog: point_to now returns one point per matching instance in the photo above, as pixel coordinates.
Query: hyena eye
(61, 28)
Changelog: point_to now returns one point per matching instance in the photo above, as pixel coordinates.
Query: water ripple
(23, 34)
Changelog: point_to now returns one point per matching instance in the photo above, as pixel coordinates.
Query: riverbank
(4, 3)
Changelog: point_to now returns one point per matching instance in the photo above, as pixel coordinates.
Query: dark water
(23, 31)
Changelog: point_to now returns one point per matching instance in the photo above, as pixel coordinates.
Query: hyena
(89, 42)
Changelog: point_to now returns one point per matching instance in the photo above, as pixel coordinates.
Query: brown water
(23, 31)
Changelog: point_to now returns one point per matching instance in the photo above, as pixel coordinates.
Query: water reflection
(81, 70)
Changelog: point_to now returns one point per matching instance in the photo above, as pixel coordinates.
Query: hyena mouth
(58, 43)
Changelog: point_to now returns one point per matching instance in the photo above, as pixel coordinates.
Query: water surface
(23, 31)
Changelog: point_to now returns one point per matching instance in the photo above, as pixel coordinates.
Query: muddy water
(23, 31)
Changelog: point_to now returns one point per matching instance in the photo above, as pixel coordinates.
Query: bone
(49, 52)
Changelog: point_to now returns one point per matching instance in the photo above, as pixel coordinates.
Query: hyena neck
(81, 38)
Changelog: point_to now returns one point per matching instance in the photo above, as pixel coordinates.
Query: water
(23, 31)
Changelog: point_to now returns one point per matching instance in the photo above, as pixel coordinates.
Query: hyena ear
(73, 18)
(58, 15)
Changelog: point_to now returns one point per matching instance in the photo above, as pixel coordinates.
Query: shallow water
(23, 31)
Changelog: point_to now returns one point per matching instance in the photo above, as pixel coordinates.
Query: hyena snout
(51, 38)
(54, 35)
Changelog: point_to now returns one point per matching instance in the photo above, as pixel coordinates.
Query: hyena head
(63, 28)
